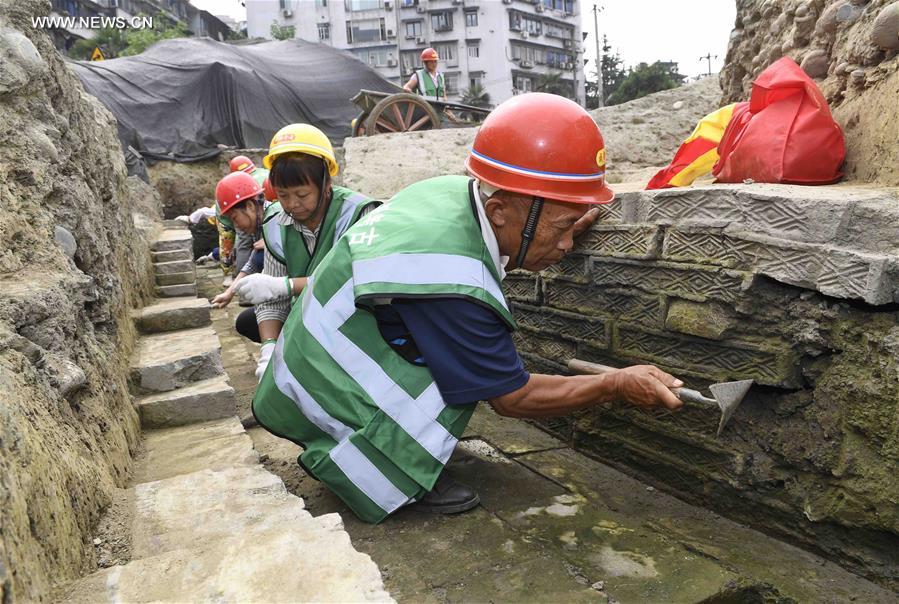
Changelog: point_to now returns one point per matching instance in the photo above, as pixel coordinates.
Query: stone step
(166, 361)
(173, 267)
(212, 445)
(171, 315)
(203, 401)
(210, 524)
(177, 291)
(172, 239)
(176, 278)
(171, 223)
(172, 256)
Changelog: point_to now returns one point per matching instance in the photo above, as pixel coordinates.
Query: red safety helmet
(429, 54)
(235, 188)
(542, 145)
(241, 163)
(269, 190)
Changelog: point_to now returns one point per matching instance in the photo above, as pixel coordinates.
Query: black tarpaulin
(183, 98)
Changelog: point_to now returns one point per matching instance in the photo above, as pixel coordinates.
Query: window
(408, 3)
(521, 22)
(413, 29)
(321, 3)
(451, 80)
(555, 30)
(357, 5)
(409, 60)
(447, 53)
(442, 21)
(376, 57)
(474, 51)
(368, 30)
(471, 18)
(522, 84)
(324, 31)
(474, 81)
(527, 53)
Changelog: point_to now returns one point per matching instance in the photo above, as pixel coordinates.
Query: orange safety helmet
(235, 188)
(429, 54)
(542, 145)
(269, 190)
(241, 163)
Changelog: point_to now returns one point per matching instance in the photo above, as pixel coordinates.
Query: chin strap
(530, 229)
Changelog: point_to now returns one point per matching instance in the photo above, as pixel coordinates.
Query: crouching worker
(301, 228)
(240, 200)
(403, 327)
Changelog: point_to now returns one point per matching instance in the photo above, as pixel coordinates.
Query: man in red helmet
(428, 82)
(402, 329)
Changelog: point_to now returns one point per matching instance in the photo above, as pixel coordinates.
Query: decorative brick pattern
(692, 282)
(718, 360)
(522, 286)
(626, 304)
(557, 323)
(622, 241)
(574, 267)
(552, 348)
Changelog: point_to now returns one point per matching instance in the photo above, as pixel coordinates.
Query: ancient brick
(537, 364)
(706, 320)
(718, 360)
(692, 282)
(554, 349)
(626, 304)
(558, 323)
(610, 212)
(523, 286)
(622, 241)
(573, 267)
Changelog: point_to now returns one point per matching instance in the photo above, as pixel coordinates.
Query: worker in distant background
(310, 216)
(244, 243)
(403, 326)
(240, 199)
(428, 82)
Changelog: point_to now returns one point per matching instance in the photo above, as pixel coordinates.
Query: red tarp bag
(785, 134)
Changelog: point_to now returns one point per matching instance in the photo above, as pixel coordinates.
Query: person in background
(428, 82)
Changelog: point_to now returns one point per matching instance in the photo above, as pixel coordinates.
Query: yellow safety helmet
(302, 138)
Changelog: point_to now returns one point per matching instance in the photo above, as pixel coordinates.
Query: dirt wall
(850, 47)
(73, 261)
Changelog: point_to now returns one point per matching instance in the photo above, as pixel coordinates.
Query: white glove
(259, 288)
(182, 218)
(204, 259)
(265, 355)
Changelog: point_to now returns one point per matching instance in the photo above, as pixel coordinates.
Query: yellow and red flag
(698, 154)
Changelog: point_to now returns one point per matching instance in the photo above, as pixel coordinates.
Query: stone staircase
(209, 522)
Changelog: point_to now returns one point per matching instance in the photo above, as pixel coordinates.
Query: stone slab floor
(553, 525)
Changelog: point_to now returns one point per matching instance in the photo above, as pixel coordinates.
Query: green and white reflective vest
(374, 427)
(426, 87)
(259, 175)
(287, 245)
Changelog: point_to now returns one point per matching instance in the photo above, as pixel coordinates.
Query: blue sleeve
(466, 346)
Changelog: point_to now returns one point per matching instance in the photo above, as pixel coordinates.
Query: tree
(612, 75)
(553, 83)
(126, 42)
(111, 41)
(282, 32)
(645, 79)
(476, 95)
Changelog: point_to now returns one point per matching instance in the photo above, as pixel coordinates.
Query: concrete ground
(553, 525)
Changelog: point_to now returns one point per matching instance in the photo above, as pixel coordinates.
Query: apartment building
(506, 46)
(198, 22)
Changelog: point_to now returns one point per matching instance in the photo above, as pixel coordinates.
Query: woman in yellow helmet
(310, 216)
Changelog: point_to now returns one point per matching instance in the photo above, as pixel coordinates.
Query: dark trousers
(247, 326)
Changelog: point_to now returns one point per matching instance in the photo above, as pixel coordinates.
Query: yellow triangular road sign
(97, 55)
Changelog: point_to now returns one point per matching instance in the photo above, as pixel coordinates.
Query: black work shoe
(448, 497)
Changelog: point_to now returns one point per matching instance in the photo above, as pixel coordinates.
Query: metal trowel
(728, 395)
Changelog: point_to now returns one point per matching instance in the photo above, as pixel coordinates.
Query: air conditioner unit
(525, 35)
(526, 65)
(567, 43)
(568, 66)
(390, 33)
(387, 5)
(419, 40)
(540, 8)
(420, 9)
(287, 13)
(391, 62)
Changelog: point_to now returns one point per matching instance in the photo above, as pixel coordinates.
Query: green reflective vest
(286, 243)
(259, 175)
(426, 86)
(374, 427)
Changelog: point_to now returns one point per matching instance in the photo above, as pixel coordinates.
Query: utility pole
(599, 91)
(708, 58)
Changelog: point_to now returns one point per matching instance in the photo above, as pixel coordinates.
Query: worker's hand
(223, 299)
(259, 245)
(259, 288)
(646, 386)
(204, 259)
(586, 221)
(265, 355)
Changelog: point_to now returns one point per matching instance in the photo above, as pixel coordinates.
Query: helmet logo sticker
(601, 158)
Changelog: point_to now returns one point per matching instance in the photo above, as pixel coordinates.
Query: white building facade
(505, 46)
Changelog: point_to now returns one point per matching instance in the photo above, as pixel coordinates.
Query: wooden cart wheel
(402, 112)
(359, 128)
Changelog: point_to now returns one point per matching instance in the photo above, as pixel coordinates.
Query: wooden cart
(384, 112)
